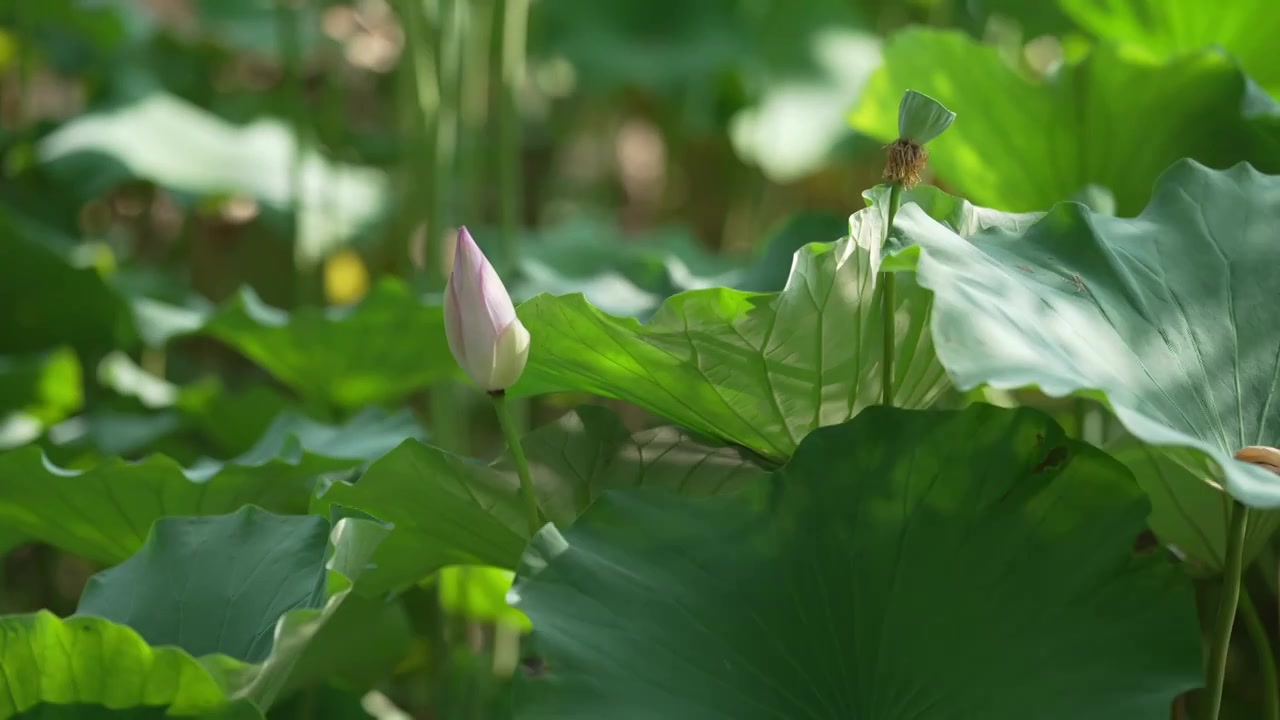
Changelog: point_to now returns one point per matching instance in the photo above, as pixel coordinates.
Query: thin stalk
(1080, 412)
(447, 410)
(422, 85)
(26, 65)
(511, 21)
(452, 23)
(1227, 605)
(522, 465)
(1266, 658)
(887, 280)
(507, 67)
(474, 138)
(289, 37)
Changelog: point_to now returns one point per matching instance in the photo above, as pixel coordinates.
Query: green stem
(26, 65)
(450, 40)
(289, 36)
(1227, 605)
(1266, 658)
(511, 22)
(522, 465)
(887, 303)
(421, 100)
(1080, 411)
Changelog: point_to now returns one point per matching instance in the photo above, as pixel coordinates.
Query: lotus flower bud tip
(484, 334)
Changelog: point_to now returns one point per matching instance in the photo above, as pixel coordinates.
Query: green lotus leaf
(1169, 28)
(104, 513)
(1023, 144)
(451, 510)
(918, 565)
(1166, 316)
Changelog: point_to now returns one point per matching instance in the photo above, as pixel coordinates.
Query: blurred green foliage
(224, 227)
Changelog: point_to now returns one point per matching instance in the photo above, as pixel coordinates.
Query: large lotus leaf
(215, 584)
(1168, 28)
(46, 301)
(758, 369)
(105, 513)
(195, 154)
(1107, 119)
(384, 348)
(358, 647)
(450, 510)
(251, 586)
(1167, 315)
(918, 565)
(51, 663)
(1190, 515)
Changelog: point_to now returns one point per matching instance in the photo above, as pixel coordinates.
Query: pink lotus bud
(485, 336)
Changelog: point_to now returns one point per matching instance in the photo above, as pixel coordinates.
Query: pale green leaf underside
(901, 567)
(1190, 515)
(449, 510)
(1170, 314)
(84, 660)
(758, 369)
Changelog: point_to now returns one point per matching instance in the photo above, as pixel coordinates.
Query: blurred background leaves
(225, 224)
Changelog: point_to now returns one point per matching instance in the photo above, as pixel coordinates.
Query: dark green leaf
(105, 513)
(907, 564)
(250, 585)
(215, 584)
(449, 510)
(384, 348)
(49, 302)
